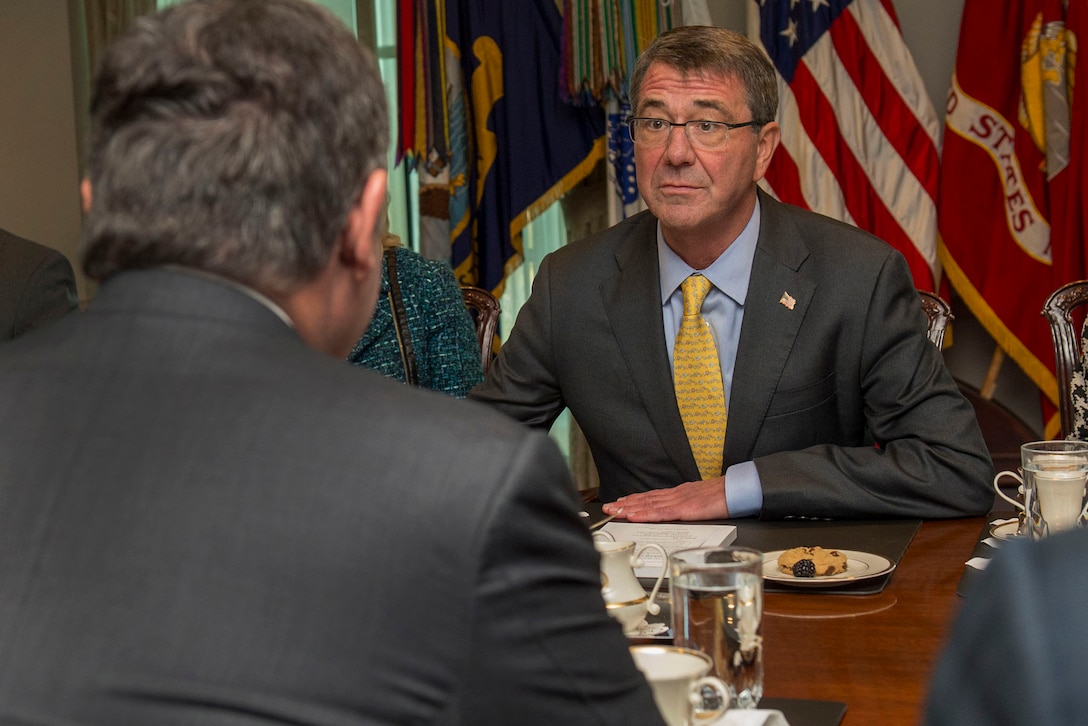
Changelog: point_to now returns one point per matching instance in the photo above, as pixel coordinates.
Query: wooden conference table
(872, 652)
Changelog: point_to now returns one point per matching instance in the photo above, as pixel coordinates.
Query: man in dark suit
(37, 285)
(836, 404)
(1019, 644)
(208, 516)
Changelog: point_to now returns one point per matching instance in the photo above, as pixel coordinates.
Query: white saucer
(859, 566)
(1004, 530)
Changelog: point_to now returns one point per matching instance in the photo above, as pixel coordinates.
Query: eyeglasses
(706, 135)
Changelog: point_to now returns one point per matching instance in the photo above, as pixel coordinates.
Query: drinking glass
(1054, 478)
(717, 608)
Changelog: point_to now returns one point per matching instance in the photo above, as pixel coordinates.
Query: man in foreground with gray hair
(198, 526)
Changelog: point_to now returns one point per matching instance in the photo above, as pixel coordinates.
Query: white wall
(39, 170)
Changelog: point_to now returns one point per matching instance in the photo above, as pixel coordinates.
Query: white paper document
(670, 536)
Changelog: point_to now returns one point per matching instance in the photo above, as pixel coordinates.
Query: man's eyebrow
(708, 104)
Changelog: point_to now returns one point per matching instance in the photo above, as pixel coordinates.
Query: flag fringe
(561, 187)
(1035, 369)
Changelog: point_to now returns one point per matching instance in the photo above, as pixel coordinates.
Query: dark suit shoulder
(1019, 632)
(786, 226)
(37, 285)
(18, 253)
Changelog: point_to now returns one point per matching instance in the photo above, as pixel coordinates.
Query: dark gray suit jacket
(204, 521)
(36, 285)
(1018, 650)
(814, 387)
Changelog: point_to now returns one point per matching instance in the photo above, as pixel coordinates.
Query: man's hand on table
(688, 502)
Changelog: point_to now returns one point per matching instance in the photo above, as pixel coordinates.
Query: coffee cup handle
(606, 536)
(1003, 495)
(651, 606)
(695, 697)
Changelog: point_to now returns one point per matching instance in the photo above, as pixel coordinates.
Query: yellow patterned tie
(697, 376)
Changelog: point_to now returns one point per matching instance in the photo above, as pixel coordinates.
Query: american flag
(859, 134)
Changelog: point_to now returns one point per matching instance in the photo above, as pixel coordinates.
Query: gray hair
(702, 49)
(231, 136)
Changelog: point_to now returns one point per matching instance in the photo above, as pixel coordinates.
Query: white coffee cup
(1055, 474)
(677, 677)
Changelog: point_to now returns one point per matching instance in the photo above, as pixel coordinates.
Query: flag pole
(989, 384)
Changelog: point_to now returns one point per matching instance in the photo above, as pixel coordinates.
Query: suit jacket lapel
(633, 303)
(769, 329)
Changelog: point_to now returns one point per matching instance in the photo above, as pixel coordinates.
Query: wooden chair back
(938, 313)
(1060, 309)
(484, 309)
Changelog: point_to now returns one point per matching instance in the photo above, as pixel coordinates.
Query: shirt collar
(729, 273)
(245, 290)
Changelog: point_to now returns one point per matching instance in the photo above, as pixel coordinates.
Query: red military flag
(1007, 211)
(859, 133)
(1071, 193)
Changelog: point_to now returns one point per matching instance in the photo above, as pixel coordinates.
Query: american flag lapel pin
(787, 301)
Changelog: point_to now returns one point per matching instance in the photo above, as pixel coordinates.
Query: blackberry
(804, 568)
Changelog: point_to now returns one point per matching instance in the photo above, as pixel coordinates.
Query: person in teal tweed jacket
(442, 334)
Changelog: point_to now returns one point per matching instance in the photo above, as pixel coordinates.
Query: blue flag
(519, 147)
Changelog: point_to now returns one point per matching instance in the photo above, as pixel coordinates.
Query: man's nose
(678, 149)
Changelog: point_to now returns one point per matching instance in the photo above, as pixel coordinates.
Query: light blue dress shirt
(723, 310)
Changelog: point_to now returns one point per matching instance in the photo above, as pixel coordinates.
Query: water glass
(717, 608)
(1054, 475)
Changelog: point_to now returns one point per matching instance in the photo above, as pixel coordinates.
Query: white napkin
(979, 563)
(752, 717)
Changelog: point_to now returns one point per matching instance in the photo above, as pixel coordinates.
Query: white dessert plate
(859, 566)
(1004, 530)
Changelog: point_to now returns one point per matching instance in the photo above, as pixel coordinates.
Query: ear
(360, 241)
(769, 137)
(85, 194)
